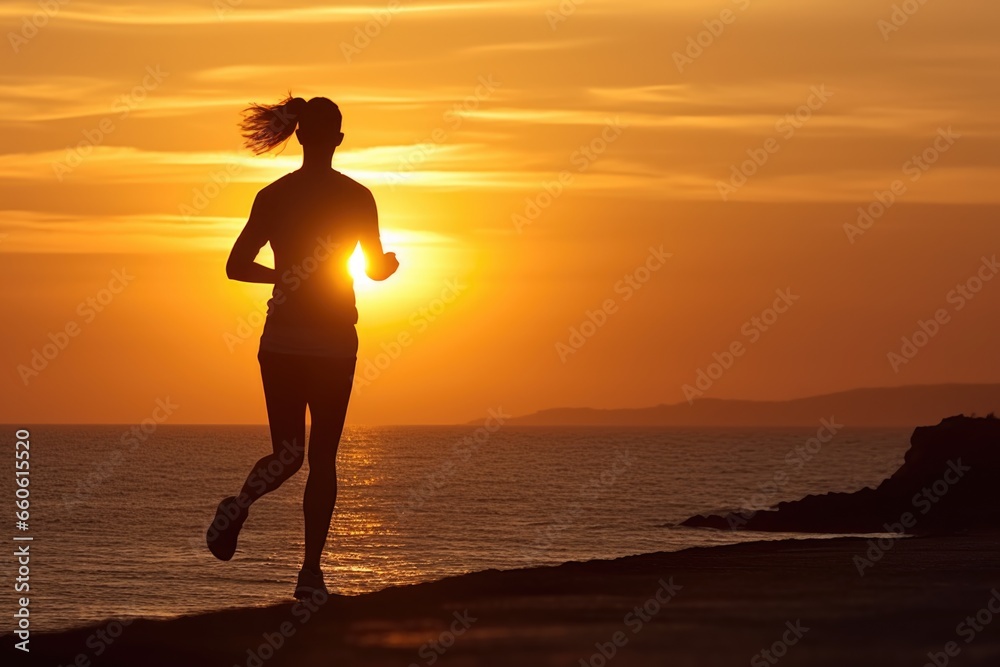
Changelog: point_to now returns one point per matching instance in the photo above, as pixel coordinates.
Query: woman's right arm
(242, 264)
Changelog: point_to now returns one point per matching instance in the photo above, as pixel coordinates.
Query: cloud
(33, 231)
(541, 45)
(114, 14)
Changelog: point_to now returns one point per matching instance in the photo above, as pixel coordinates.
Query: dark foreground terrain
(804, 602)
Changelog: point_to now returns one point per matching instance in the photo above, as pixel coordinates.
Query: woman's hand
(387, 266)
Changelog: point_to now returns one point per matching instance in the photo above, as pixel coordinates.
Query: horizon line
(646, 407)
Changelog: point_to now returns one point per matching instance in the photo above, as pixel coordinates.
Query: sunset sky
(533, 162)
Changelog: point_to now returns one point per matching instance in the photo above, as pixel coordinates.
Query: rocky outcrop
(949, 480)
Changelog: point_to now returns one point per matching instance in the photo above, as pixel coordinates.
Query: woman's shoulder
(274, 187)
(349, 183)
(299, 182)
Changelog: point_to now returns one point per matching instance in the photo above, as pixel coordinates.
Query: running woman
(314, 218)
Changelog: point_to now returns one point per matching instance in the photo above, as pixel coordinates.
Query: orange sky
(526, 156)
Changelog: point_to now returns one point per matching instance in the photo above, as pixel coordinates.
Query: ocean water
(119, 529)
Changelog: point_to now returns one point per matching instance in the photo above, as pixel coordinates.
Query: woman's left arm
(242, 264)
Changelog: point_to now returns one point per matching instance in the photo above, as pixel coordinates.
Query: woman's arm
(242, 263)
(379, 265)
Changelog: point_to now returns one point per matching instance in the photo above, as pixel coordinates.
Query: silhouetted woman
(313, 218)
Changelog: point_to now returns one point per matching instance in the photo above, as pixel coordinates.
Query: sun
(356, 266)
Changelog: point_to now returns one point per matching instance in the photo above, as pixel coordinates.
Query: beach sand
(802, 600)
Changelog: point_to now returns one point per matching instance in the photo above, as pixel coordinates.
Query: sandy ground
(803, 602)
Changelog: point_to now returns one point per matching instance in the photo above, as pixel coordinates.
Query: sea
(117, 523)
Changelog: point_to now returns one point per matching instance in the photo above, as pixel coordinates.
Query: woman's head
(315, 122)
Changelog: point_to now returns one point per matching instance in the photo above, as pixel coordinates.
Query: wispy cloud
(233, 11)
(33, 231)
(128, 164)
(537, 46)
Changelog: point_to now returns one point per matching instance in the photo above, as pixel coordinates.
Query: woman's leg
(285, 395)
(328, 396)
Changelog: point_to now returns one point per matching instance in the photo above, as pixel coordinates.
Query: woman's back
(314, 220)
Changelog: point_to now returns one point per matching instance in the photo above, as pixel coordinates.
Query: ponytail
(265, 126)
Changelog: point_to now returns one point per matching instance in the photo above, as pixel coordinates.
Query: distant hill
(888, 406)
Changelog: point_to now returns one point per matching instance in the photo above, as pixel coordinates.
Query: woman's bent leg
(328, 397)
(285, 395)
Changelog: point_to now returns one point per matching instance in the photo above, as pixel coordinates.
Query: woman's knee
(290, 466)
(278, 468)
(291, 454)
(324, 462)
